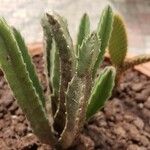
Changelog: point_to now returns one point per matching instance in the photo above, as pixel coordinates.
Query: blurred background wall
(26, 14)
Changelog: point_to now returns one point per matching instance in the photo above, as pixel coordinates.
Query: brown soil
(124, 123)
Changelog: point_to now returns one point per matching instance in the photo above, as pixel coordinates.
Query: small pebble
(141, 105)
(129, 117)
(137, 87)
(8, 100)
(139, 123)
(144, 141)
(140, 97)
(146, 112)
(120, 131)
(133, 132)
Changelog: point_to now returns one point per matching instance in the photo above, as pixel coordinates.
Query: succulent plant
(75, 93)
(118, 48)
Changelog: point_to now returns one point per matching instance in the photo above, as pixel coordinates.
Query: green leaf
(55, 69)
(118, 42)
(73, 96)
(84, 30)
(104, 31)
(15, 71)
(88, 53)
(30, 67)
(101, 91)
(47, 45)
(67, 63)
(52, 63)
(61, 35)
(55, 74)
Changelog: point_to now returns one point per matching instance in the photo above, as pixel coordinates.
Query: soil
(123, 124)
